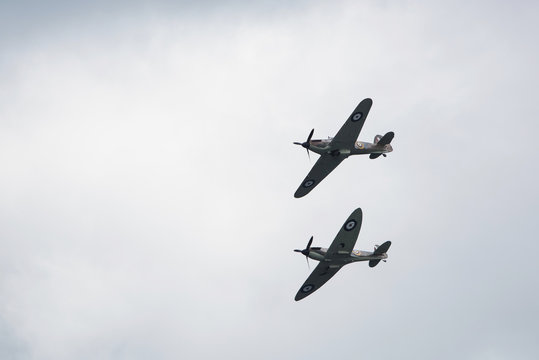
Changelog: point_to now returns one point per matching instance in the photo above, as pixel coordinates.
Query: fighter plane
(339, 253)
(334, 150)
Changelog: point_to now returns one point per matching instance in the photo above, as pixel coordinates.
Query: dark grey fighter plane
(334, 150)
(340, 252)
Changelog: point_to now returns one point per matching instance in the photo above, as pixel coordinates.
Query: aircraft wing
(323, 166)
(349, 132)
(342, 246)
(320, 275)
(346, 238)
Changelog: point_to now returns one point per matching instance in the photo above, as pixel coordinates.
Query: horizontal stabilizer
(386, 139)
(373, 263)
(382, 249)
(374, 155)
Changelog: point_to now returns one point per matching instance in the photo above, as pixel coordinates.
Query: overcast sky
(148, 172)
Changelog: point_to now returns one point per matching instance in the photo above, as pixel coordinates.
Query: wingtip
(357, 212)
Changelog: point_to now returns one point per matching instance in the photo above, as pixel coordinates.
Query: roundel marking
(357, 116)
(307, 288)
(308, 183)
(350, 225)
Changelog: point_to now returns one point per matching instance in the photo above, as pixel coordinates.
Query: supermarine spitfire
(340, 252)
(334, 150)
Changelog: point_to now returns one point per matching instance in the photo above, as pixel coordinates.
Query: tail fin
(386, 139)
(382, 141)
(382, 249)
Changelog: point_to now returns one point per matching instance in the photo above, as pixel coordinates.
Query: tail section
(383, 141)
(386, 139)
(382, 249)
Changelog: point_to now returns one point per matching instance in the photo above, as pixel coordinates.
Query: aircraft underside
(332, 152)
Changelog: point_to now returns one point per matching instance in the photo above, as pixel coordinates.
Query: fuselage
(319, 254)
(323, 146)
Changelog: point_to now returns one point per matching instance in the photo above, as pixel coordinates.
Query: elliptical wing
(346, 237)
(320, 275)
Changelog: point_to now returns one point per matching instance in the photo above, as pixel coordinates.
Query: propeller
(307, 144)
(306, 251)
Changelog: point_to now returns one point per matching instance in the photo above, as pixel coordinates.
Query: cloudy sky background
(148, 172)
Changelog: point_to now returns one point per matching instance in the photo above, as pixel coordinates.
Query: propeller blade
(309, 243)
(306, 144)
(310, 136)
(306, 251)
